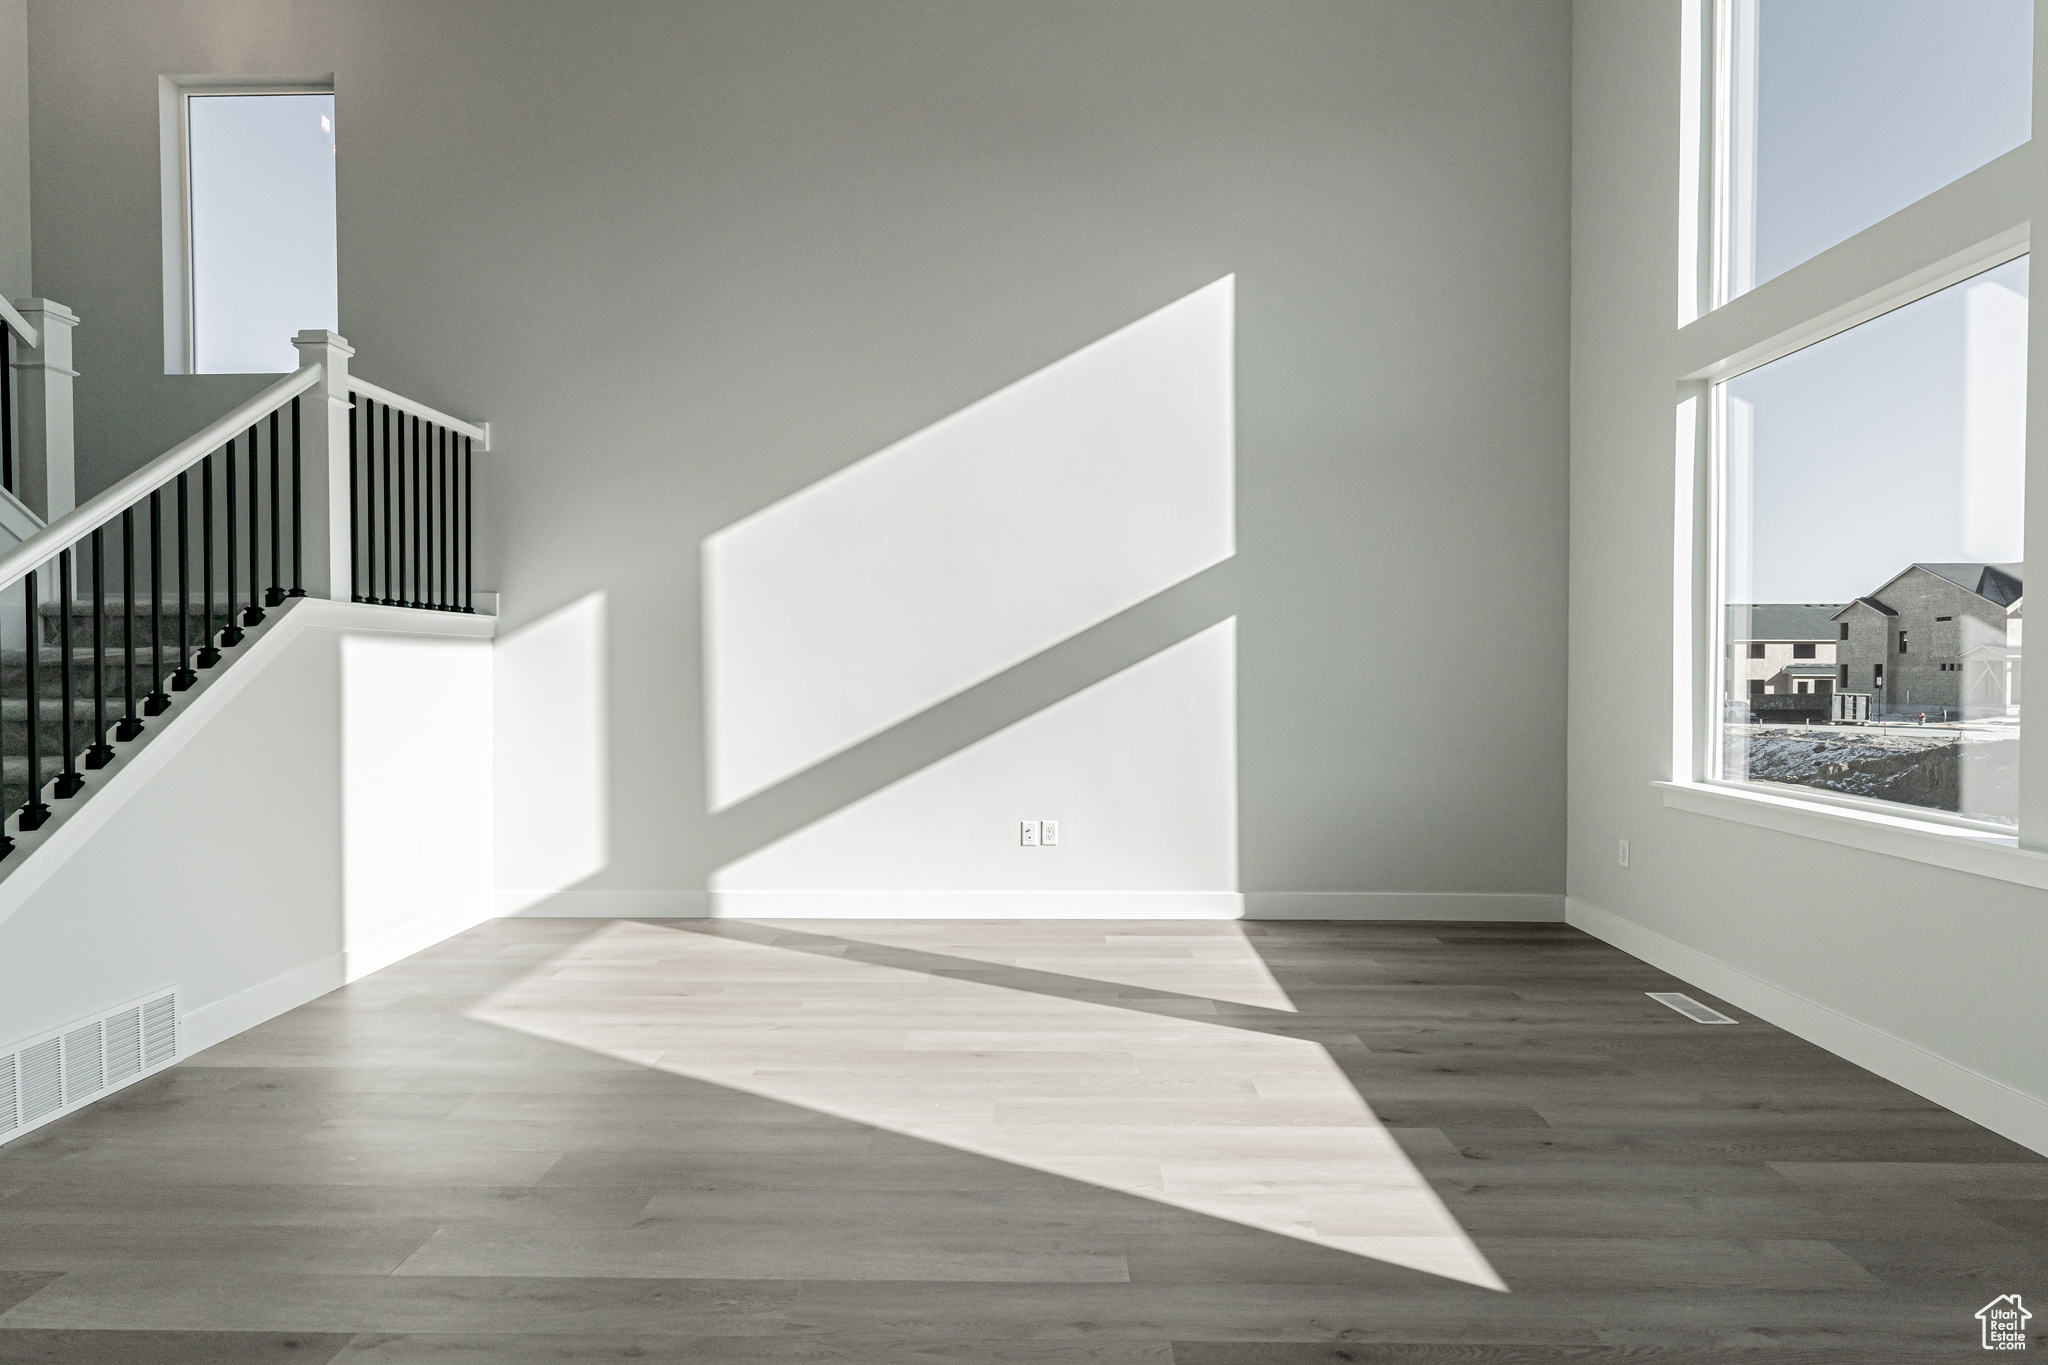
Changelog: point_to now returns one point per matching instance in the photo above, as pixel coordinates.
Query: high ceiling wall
(693, 259)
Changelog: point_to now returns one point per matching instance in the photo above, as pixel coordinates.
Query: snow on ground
(1968, 769)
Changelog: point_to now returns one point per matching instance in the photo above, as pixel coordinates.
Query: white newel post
(47, 480)
(323, 451)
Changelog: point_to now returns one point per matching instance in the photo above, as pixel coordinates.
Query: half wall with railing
(319, 486)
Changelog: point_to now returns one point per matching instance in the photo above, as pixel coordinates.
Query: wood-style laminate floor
(1204, 1144)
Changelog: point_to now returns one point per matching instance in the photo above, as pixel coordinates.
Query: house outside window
(1786, 652)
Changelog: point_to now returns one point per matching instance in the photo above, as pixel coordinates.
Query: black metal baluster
(445, 600)
(254, 615)
(416, 490)
(131, 724)
(33, 813)
(158, 700)
(298, 519)
(455, 524)
(275, 596)
(427, 580)
(399, 600)
(355, 529)
(387, 599)
(369, 500)
(69, 782)
(437, 471)
(184, 677)
(231, 634)
(208, 655)
(99, 753)
(468, 528)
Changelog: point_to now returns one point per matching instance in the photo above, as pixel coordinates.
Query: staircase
(112, 691)
(322, 486)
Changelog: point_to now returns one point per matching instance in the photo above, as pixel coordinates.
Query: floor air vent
(1689, 1007)
(72, 1066)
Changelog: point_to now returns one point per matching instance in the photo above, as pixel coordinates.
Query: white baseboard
(998, 905)
(244, 1010)
(1527, 907)
(374, 955)
(2008, 1112)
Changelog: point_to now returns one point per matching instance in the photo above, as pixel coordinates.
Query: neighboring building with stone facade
(1936, 638)
(1782, 649)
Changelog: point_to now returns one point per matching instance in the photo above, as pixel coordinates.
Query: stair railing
(312, 432)
(430, 513)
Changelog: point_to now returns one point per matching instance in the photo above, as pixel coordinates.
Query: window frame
(174, 141)
(1971, 225)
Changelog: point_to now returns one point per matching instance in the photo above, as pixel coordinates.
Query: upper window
(1910, 430)
(1839, 113)
(255, 236)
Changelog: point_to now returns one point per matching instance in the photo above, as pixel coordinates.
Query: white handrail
(96, 512)
(14, 319)
(363, 388)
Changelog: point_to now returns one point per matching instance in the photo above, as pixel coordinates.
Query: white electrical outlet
(1049, 833)
(1027, 834)
(1624, 853)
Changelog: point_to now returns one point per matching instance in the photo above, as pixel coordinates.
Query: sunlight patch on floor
(1259, 1129)
(1212, 961)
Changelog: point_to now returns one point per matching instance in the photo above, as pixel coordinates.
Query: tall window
(257, 229)
(1842, 112)
(1864, 470)
(1882, 472)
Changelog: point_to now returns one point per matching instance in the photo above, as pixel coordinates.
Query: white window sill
(1921, 841)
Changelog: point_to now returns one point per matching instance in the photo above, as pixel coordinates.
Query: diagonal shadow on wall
(980, 711)
(896, 657)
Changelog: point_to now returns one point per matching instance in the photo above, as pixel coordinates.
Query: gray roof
(1783, 621)
(1998, 583)
(1870, 602)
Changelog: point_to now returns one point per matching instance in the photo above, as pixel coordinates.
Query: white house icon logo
(2005, 1323)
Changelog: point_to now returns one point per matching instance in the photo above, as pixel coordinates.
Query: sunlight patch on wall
(411, 720)
(1139, 769)
(551, 702)
(970, 546)
(1260, 1129)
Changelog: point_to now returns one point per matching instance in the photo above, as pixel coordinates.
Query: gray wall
(16, 280)
(690, 258)
(1853, 944)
